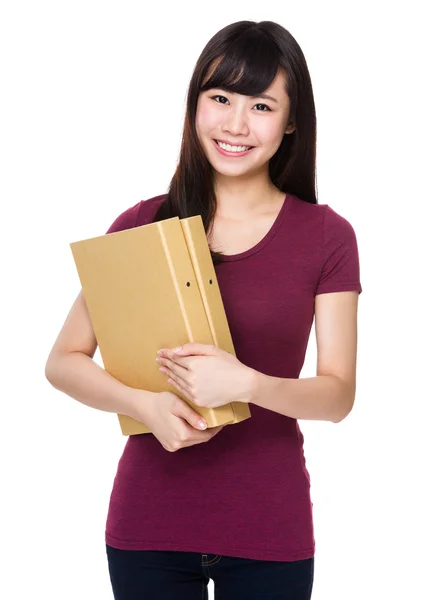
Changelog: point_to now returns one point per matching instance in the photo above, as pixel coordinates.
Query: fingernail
(202, 425)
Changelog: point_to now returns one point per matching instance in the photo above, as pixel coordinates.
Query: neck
(243, 199)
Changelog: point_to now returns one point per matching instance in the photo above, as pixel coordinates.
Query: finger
(179, 387)
(178, 368)
(177, 379)
(183, 361)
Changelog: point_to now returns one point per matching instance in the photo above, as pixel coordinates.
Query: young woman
(188, 505)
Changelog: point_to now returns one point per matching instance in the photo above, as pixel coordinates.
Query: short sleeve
(126, 220)
(340, 258)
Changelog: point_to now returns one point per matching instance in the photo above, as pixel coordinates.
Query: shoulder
(304, 212)
(140, 213)
(333, 222)
(340, 270)
(316, 209)
(321, 215)
(148, 209)
(337, 232)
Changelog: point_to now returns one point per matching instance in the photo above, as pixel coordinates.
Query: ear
(290, 128)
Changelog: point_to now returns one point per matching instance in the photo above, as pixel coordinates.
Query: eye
(219, 96)
(265, 105)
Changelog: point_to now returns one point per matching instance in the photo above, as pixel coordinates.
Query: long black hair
(245, 57)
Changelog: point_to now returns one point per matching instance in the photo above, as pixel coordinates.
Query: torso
(233, 237)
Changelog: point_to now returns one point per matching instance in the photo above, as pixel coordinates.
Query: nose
(236, 122)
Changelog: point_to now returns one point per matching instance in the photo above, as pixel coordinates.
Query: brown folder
(151, 287)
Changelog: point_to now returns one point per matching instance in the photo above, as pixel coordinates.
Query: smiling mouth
(245, 148)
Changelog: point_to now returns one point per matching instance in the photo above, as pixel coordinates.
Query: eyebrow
(266, 97)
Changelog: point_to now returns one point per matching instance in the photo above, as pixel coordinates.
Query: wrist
(263, 386)
(138, 401)
(252, 385)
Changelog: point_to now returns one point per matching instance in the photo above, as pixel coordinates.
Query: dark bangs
(248, 66)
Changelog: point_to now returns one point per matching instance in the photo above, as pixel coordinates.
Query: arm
(330, 395)
(70, 368)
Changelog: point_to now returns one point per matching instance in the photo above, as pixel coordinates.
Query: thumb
(192, 417)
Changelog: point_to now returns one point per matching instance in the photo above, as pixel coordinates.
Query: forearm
(78, 376)
(321, 398)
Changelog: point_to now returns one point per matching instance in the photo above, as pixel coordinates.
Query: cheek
(269, 135)
(206, 119)
(202, 117)
(271, 131)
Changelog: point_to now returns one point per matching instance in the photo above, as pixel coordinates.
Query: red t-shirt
(245, 492)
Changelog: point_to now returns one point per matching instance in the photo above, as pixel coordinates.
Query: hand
(206, 375)
(171, 420)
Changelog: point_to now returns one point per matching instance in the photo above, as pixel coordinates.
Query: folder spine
(175, 280)
(188, 294)
(210, 293)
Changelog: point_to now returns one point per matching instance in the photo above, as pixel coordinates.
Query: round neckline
(265, 240)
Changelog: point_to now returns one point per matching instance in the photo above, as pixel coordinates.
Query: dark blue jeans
(171, 575)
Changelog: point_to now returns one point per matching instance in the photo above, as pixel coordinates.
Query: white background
(92, 105)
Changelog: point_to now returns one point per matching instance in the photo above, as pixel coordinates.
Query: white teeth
(233, 148)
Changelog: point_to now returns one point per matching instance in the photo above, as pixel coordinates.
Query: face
(243, 121)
